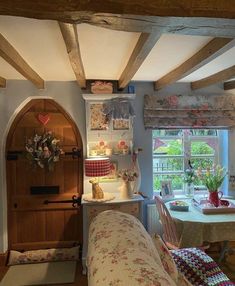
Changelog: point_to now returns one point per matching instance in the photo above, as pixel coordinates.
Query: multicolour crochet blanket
(199, 268)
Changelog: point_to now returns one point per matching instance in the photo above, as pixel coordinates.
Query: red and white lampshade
(97, 167)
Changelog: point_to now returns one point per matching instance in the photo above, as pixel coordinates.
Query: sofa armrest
(121, 252)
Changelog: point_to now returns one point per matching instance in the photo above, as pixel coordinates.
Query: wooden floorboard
(228, 264)
(80, 279)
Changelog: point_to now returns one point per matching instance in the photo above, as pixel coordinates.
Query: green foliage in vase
(212, 179)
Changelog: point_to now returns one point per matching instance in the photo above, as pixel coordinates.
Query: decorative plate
(179, 206)
(107, 197)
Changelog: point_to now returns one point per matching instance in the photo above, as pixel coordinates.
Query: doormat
(40, 274)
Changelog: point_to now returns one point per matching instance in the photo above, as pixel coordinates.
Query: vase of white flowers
(189, 178)
(126, 190)
(189, 190)
(127, 176)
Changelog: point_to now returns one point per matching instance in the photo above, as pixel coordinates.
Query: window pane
(167, 164)
(202, 147)
(203, 132)
(202, 163)
(172, 149)
(166, 132)
(176, 181)
(167, 147)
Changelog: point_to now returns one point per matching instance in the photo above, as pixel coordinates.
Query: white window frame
(186, 154)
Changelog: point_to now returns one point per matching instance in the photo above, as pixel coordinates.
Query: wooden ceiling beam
(143, 24)
(64, 9)
(122, 19)
(190, 17)
(70, 35)
(175, 25)
(209, 52)
(2, 82)
(229, 85)
(10, 55)
(215, 78)
(143, 46)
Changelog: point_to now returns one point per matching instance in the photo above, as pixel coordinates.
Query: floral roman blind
(184, 111)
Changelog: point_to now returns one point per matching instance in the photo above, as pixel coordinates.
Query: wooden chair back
(170, 236)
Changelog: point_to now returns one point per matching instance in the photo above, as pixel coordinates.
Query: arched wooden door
(32, 224)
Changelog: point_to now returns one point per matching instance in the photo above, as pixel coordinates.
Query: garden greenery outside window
(172, 150)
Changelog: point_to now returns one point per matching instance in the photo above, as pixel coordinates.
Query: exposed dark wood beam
(213, 49)
(178, 16)
(135, 19)
(64, 9)
(229, 85)
(145, 24)
(69, 33)
(215, 78)
(2, 82)
(143, 46)
(9, 54)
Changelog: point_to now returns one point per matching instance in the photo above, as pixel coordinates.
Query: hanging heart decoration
(43, 118)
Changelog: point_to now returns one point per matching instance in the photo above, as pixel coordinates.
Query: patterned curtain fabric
(189, 111)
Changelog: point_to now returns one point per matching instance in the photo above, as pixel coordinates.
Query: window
(172, 149)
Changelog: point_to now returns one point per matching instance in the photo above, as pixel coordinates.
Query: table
(195, 227)
(132, 206)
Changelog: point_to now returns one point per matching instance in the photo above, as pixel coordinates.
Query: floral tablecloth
(195, 227)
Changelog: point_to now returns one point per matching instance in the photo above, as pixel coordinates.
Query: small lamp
(97, 167)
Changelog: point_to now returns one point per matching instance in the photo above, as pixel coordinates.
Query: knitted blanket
(199, 268)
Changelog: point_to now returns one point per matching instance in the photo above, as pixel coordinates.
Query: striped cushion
(199, 268)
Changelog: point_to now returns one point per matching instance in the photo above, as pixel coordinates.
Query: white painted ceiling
(104, 52)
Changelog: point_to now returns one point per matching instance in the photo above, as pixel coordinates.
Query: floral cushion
(43, 255)
(168, 262)
(121, 252)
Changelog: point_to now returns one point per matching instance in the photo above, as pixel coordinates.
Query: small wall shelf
(101, 97)
(105, 136)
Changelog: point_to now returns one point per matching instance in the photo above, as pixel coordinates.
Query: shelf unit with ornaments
(105, 137)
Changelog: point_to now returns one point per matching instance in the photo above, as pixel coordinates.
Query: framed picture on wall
(121, 124)
(98, 120)
(166, 189)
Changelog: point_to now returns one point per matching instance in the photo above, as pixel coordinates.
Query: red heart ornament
(43, 118)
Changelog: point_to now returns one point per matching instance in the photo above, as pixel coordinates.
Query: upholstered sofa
(121, 253)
